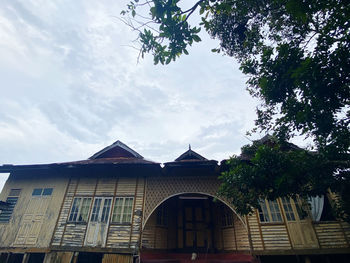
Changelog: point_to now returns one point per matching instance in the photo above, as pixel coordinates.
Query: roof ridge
(116, 144)
(189, 153)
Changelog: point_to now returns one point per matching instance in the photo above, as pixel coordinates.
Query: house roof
(268, 140)
(116, 150)
(190, 155)
(117, 154)
(190, 159)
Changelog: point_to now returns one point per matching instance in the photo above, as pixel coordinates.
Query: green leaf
(196, 38)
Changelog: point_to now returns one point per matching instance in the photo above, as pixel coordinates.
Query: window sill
(326, 222)
(271, 223)
(76, 223)
(120, 224)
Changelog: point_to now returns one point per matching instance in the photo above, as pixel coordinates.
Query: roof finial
(189, 146)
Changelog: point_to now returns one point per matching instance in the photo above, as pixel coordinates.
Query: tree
(268, 169)
(296, 54)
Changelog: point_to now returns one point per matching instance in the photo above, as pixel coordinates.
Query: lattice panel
(161, 188)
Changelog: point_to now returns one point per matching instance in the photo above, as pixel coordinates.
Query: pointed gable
(190, 156)
(116, 150)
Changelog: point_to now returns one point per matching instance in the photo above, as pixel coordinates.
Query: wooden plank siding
(55, 257)
(86, 186)
(155, 237)
(346, 229)
(137, 218)
(61, 223)
(63, 235)
(255, 231)
(105, 187)
(148, 233)
(74, 235)
(34, 217)
(228, 234)
(113, 258)
(118, 235)
(241, 236)
(332, 234)
(275, 237)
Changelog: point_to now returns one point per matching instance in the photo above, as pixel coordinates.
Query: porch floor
(201, 258)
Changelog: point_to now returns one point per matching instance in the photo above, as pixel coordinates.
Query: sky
(71, 85)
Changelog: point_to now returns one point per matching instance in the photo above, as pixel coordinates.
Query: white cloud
(72, 85)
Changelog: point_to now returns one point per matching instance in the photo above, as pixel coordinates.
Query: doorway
(98, 223)
(197, 232)
(193, 223)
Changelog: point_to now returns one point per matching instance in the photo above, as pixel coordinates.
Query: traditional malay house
(119, 207)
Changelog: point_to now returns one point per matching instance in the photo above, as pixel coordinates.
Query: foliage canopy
(297, 56)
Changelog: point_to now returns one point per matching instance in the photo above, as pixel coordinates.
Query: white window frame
(76, 215)
(287, 204)
(121, 214)
(268, 212)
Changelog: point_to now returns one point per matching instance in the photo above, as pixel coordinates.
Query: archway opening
(194, 223)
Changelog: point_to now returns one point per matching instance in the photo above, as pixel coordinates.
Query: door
(32, 221)
(300, 227)
(98, 223)
(195, 227)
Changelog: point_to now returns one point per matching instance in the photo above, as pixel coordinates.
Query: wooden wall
(54, 210)
(127, 236)
(296, 236)
(241, 236)
(65, 209)
(160, 237)
(226, 238)
(34, 217)
(333, 234)
(118, 235)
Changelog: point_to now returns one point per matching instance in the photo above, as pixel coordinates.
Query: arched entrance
(194, 223)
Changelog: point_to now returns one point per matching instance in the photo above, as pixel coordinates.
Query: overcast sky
(71, 85)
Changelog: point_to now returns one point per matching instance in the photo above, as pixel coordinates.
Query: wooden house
(119, 207)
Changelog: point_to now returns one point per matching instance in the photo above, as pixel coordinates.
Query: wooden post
(260, 231)
(112, 207)
(143, 213)
(249, 236)
(25, 258)
(133, 211)
(279, 201)
(75, 257)
(59, 213)
(70, 208)
(8, 257)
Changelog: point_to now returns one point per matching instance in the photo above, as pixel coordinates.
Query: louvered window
(6, 214)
